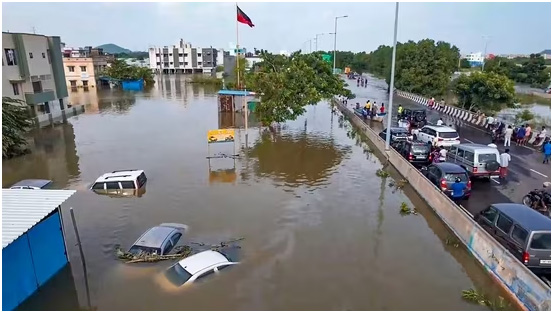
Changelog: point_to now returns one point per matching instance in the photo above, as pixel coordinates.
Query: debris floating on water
(452, 241)
(480, 298)
(180, 252)
(382, 173)
(405, 210)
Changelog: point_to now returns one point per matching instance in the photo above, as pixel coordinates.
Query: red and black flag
(243, 18)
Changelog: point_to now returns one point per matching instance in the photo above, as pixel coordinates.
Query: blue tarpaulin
(133, 84)
(226, 92)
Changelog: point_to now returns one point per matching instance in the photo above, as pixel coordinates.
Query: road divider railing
(455, 112)
(525, 288)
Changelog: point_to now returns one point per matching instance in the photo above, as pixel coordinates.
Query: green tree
(465, 63)
(15, 121)
(119, 69)
(523, 116)
(286, 85)
(484, 91)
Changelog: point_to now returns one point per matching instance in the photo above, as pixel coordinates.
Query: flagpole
(237, 53)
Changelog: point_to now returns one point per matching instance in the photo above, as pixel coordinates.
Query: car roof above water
(199, 261)
(155, 236)
(39, 183)
(524, 216)
(120, 175)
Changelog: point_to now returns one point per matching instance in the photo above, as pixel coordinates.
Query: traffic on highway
(496, 185)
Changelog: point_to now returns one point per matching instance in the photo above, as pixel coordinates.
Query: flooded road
(322, 231)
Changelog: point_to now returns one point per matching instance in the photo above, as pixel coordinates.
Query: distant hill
(113, 49)
(546, 51)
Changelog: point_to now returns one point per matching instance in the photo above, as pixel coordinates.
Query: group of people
(370, 109)
(522, 134)
(362, 81)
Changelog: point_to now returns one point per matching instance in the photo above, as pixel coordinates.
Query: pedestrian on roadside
(443, 154)
(458, 190)
(399, 111)
(521, 133)
(435, 142)
(527, 135)
(504, 159)
(508, 135)
(366, 81)
(489, 122)
(440, 122)
(546, 152)
(373, 110)
(541, 136)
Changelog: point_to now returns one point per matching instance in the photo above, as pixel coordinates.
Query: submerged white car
(198, 266)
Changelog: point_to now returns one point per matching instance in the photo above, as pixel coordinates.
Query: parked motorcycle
(539, 200)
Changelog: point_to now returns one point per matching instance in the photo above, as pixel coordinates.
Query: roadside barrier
(525, 289)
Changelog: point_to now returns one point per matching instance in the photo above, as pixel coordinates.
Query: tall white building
(183, 58)
(475, 59)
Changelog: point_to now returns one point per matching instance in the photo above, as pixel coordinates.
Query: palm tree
(15, 121)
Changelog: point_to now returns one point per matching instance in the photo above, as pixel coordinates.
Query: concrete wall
(527, 290)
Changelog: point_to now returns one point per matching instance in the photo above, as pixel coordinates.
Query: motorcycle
(539, 200)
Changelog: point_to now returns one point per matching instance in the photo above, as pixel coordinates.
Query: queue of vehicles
(523, 229)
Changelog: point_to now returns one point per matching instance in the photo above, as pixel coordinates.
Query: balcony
(40, 97)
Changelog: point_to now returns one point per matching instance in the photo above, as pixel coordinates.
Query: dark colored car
(443, 175)
(159, 240)
(523, 231)
(397, 133)
(32, 184)
(416, 152)
(416, 117)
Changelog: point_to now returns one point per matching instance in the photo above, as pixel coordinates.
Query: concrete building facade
(82, 67)
(32, 71)
(183, 58)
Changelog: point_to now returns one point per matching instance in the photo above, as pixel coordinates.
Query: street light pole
(335, 35)
(317, 41)
(485, 51)
(391, 95)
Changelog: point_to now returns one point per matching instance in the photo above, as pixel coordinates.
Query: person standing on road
(435, 142)
(527, 135)
(440, 122)
(508, 135)
(521, 133)
(443, 154)
(382, 108)
(546, 152)
(489, 122)
(366, 81)
(458, 190)
(399, 111)
(541, 136)
(504, 159)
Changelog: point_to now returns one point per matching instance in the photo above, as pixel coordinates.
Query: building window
(171, 63)
(30, 55)
(37, 87)
(180, 55)
(43, 55)
(165, 64)
(73, 83)
(48, 53)
(199, 54)
(185, 55)
(10, 56)
(85, 83)
(83, 68)
(158, 63)
(71, 68)
(181, 63)
(199, 63)
(185, 63)
(15, 87)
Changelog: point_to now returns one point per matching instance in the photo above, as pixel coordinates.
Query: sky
(507, 27)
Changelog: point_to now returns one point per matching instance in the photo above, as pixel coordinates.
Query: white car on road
(198, 266)
(446, 136)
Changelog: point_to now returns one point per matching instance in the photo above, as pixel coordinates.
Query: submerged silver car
(159, 240)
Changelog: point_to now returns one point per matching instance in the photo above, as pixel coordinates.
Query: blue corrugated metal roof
(227, 92)
(23, 208)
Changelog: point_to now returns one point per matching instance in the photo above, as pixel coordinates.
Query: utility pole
(317, 41)
(391, 96)
(486, 38)
(335, 35)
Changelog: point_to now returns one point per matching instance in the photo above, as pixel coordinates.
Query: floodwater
(322, 231)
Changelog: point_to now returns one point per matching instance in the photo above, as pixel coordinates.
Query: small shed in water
(233, 100)
(33, 241)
